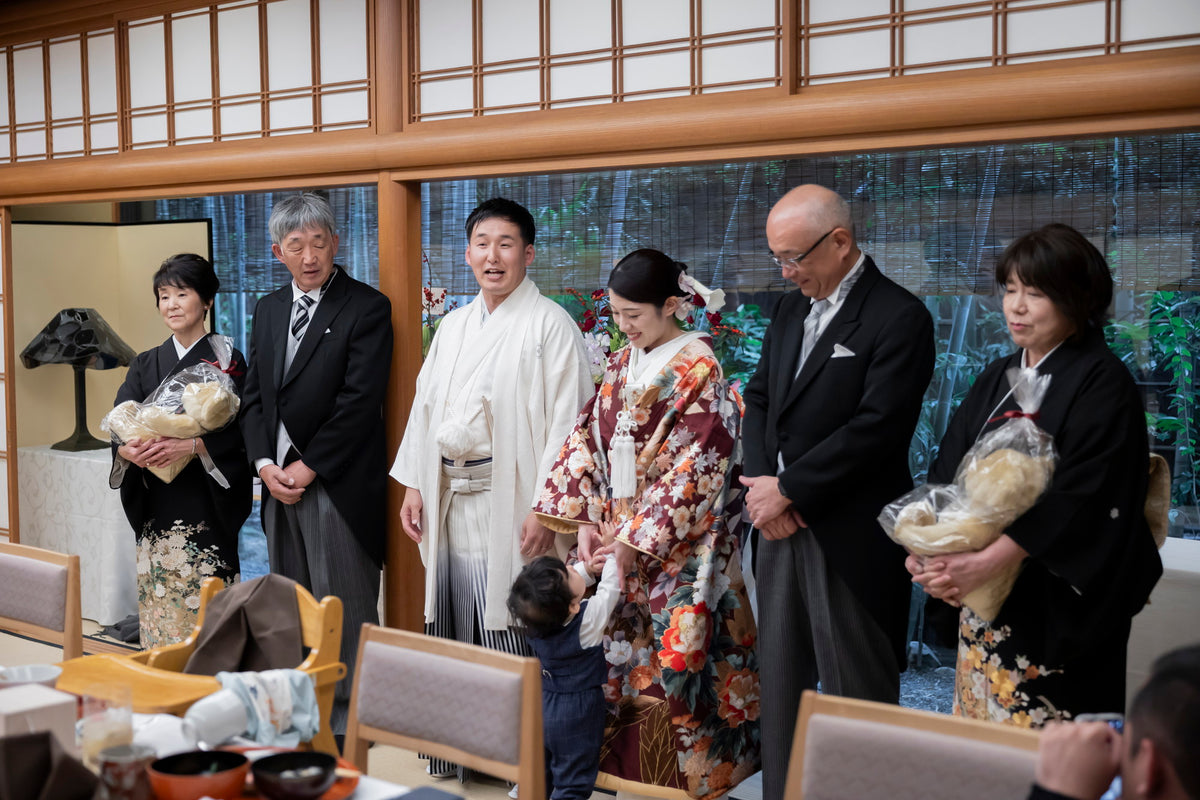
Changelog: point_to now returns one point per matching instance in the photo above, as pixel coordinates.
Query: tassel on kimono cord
(622, 462)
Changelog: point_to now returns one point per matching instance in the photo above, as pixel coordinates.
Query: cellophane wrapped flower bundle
(196, 400)
(1001, 477)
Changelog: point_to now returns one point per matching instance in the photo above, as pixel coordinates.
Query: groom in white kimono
(497, 396)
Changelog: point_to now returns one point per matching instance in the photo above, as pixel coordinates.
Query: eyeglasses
(792, 263)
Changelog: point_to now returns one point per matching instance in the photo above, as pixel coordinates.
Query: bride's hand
(626, 557)
(588, 537)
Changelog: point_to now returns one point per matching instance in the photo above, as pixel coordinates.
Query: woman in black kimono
(187, 529)
(1057, 647)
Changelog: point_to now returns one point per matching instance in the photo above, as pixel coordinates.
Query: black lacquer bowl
(294, 776)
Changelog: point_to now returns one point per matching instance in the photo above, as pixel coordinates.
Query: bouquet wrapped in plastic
(1000, 478)
(194, 401)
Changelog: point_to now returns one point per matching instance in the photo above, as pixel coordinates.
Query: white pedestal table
(66, 505)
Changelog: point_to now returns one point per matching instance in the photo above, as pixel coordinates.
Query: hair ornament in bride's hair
(714, 299)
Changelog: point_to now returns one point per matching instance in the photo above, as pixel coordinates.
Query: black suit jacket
(843, 427)
(330, 400)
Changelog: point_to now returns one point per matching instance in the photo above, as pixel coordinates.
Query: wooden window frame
(898, 20)
(130, 16)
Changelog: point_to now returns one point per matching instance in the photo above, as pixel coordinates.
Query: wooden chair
(39, 596)
(160, 686)
(848, 749)
(467, 704)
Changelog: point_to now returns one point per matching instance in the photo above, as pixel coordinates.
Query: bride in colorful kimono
(656, 453)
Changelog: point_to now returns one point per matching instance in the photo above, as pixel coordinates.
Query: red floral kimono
(683, 678)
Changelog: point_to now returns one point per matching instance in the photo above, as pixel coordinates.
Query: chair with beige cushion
(470, 705)
(39, 596)
(848, 749)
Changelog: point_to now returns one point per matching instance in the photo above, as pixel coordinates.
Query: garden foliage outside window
(933, 220)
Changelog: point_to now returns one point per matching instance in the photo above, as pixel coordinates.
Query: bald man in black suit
(830, 413)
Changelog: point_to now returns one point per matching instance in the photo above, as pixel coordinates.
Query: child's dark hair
(541, 597)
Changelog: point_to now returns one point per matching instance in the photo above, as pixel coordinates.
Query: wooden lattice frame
(695, 43)
(128, 113)
(898, 20)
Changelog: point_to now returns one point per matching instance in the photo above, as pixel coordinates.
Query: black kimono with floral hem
(187, 530)
(1057, 647)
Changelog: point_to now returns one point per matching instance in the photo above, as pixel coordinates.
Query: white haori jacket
(540, 380)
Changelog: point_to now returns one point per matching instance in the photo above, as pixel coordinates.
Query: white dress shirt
(837, 297)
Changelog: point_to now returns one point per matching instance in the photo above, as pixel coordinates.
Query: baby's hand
(608, 531)
(596, 565)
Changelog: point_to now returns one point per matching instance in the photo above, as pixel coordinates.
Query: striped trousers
(311, 543)
(811, 628)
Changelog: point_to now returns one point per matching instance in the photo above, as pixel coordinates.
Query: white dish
(45, 674)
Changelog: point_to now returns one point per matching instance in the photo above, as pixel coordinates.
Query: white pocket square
(841, 351)
(328, 331)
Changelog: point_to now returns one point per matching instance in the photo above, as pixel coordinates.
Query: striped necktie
(812, 324)
(300, 318)
(304, 303)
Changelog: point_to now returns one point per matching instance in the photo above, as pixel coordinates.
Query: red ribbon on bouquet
(1015, 415)
(230, 370)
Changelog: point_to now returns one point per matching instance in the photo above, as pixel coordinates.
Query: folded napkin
(33, 766)
(281, 705)
(166, 733)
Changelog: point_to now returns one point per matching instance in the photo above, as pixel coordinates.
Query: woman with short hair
(1057, 646)
(187, 529)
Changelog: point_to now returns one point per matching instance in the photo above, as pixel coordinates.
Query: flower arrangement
(600, 333)
(601, 336)
(433, 308)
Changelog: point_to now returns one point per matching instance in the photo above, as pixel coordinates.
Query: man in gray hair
(320, 351)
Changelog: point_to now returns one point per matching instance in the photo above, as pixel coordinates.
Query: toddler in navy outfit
(565, 632)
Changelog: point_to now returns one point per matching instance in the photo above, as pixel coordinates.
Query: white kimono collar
(643, 366)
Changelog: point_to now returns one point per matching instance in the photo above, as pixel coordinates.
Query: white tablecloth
(374, 789)
(66, 505)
